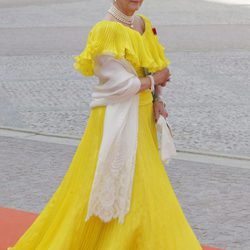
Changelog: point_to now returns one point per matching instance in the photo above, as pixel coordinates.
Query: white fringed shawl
(113, 181)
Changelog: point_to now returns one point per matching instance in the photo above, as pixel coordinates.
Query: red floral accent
(154, 31)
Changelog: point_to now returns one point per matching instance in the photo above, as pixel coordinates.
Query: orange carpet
(13, 224)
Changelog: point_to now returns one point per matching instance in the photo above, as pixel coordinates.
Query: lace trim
(112, 189)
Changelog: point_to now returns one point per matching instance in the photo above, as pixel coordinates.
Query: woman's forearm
(160, 78)
(158, 90)
(145, 83)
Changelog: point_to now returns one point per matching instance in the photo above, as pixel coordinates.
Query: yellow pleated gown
(155, 220)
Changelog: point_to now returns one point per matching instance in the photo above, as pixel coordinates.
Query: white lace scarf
(112, 185)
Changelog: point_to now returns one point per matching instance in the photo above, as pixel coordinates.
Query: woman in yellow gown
(155, 220)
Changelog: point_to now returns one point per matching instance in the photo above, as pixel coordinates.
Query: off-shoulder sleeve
(104, 38)
(108, 37)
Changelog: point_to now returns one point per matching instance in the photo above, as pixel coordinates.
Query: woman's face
(129, 6)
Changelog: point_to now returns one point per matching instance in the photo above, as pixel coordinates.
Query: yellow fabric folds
(108, 37)
(155, 221)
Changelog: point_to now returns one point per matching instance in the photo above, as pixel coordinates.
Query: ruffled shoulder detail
(104, 38)
(109, 37)
(156, 49)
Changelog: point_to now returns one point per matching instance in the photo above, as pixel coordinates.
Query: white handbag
(165, 139)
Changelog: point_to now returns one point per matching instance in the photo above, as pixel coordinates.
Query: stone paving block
(207, 98)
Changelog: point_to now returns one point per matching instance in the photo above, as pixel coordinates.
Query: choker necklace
(121, 16)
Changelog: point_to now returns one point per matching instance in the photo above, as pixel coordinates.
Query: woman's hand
(161, 77)
(159, 110)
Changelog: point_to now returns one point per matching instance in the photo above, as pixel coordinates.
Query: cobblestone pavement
(208, 99)
(66, 13)
(215, 199)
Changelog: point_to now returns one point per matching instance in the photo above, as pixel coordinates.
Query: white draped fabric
(113, 181)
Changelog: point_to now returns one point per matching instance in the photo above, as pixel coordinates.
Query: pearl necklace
(121, 16)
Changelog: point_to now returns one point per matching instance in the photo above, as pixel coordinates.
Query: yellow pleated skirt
(155, 220)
